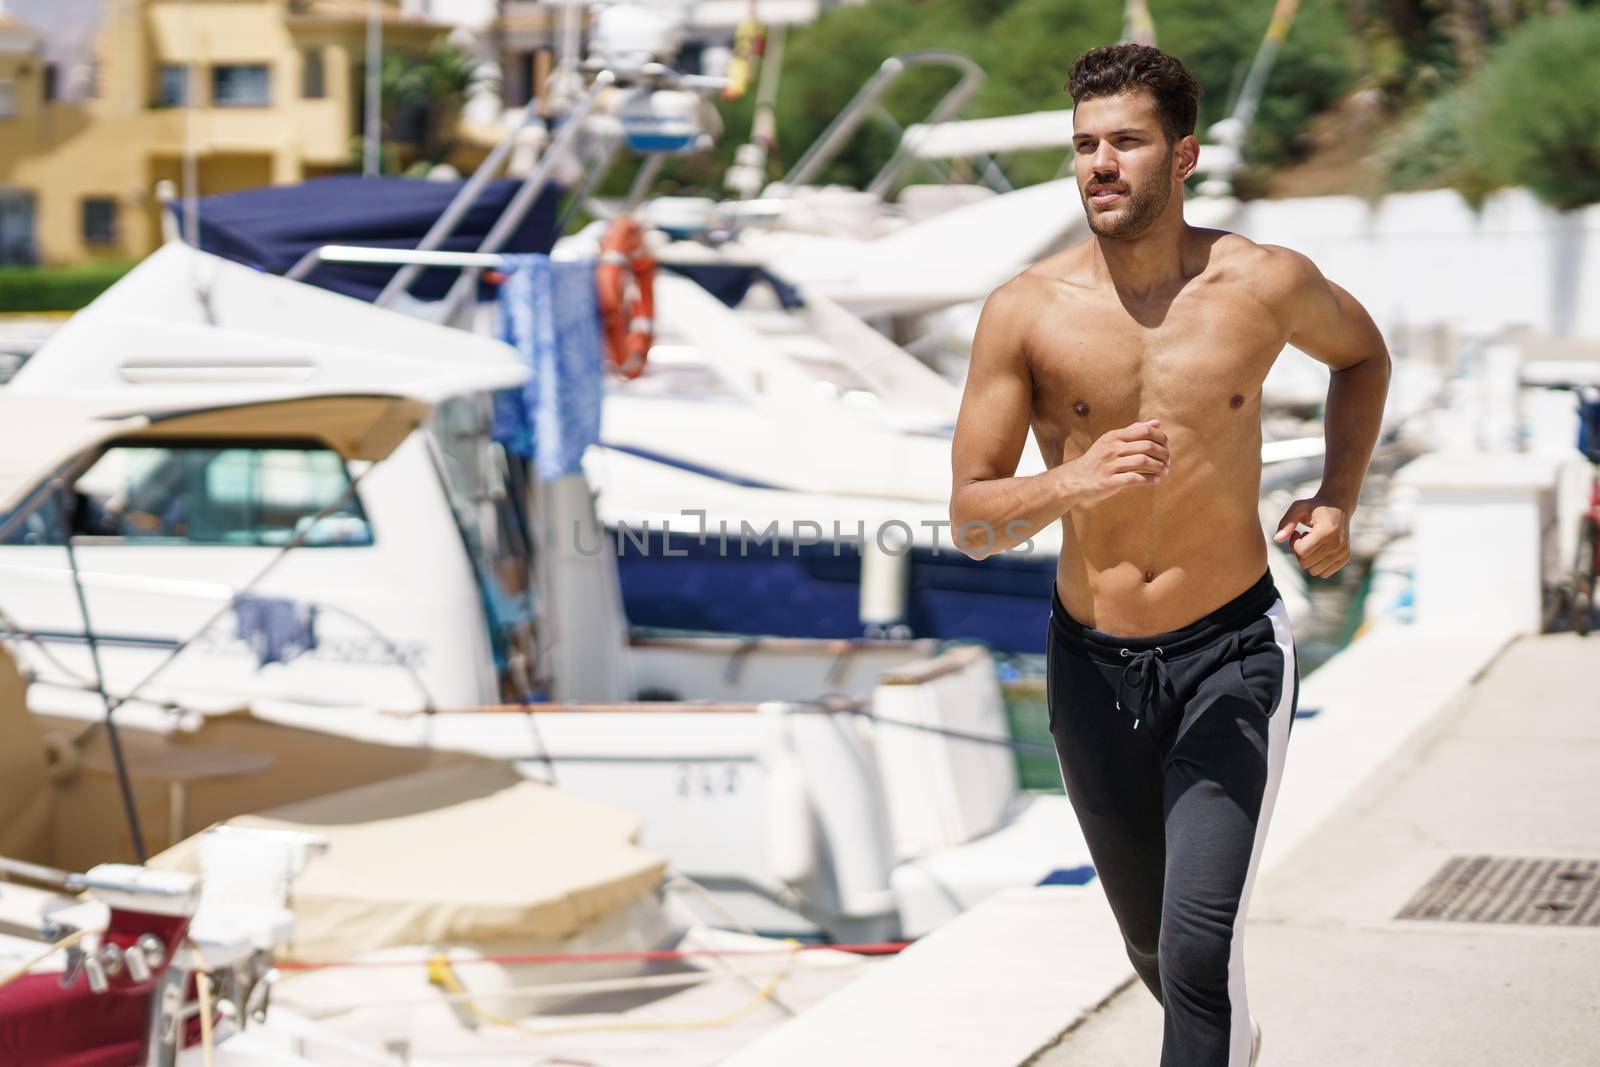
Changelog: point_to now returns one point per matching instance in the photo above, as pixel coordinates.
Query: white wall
(1422, 258)
(472, 13)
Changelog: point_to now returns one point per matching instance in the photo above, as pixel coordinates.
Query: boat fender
(885, 578)
(626, 282)
(791, 824)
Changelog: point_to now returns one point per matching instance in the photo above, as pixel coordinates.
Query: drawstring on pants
(1151, 681)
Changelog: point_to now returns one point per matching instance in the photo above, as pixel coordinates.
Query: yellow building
(275, 87)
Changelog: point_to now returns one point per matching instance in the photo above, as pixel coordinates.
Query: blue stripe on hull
(1080, 875)
(813, 590)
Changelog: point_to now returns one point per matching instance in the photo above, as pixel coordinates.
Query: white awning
(1007, 133)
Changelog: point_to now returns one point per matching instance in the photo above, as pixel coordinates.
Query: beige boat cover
(41, 432)
(461, 855)
(27, 801)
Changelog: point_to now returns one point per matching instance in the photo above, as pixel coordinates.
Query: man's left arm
(1330, 326)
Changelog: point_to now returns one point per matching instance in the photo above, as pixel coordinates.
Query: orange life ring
(626, 280)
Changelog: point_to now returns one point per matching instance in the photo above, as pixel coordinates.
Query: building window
(16, 230)
(241, 85)
(52, 82)
(313, 74)
(99, 220)
(172, 88)
(8, 98)
(248, 495)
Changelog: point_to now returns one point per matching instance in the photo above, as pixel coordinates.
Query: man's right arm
(991, 510)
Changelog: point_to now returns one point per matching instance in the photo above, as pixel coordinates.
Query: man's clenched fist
(1137, 454)
(1325, 547)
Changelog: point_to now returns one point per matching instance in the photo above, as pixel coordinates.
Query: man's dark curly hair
(1122, 68)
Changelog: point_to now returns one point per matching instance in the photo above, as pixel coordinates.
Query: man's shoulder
(1056, 277)
(1017, 304)
(1267, 270)
(1016, 297)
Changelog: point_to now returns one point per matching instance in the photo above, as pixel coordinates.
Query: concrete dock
(1415, 746)
(1510, 768)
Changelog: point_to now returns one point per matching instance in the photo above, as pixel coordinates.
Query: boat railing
(565, 143)
(847, 121)
(387, 257)
(106, 878)
(515, 211)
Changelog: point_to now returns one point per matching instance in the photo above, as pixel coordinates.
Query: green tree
(423, 95)
(1530, 116)
(1314, 69)
(1026, 47)
(1434, 148)
(1536, 119)
(825, 62)
(1412, 48)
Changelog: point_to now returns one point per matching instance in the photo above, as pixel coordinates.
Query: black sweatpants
(1171, 750)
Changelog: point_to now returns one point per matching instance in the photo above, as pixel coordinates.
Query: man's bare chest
(1201, 361)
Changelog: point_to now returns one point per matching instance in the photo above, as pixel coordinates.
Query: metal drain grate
(1510, 889)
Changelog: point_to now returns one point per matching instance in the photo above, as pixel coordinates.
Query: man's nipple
(1237, 401)
(1081, 408)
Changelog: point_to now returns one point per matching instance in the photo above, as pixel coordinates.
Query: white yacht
(442, 599)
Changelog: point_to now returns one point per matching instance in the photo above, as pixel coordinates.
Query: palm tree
(423, 95)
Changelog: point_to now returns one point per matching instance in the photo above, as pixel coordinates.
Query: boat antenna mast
(1138, 26)
(372, 115)
(1230, 133)
(748, 175)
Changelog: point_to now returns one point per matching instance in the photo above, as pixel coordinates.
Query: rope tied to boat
(59, 946)
(204, 990)
(874, 948)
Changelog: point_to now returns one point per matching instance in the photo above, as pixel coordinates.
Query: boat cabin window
(183, 493)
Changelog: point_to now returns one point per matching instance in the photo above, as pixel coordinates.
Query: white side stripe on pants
(1277, 749)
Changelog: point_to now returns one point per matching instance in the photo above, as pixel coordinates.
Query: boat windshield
(222, 493)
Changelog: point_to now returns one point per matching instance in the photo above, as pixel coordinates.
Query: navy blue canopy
(730, 282)
(1589, 429)
(271, 228)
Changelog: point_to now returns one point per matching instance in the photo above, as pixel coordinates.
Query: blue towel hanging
(549, 312)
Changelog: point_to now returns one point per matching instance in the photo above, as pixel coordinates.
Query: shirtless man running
(1137, 358)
